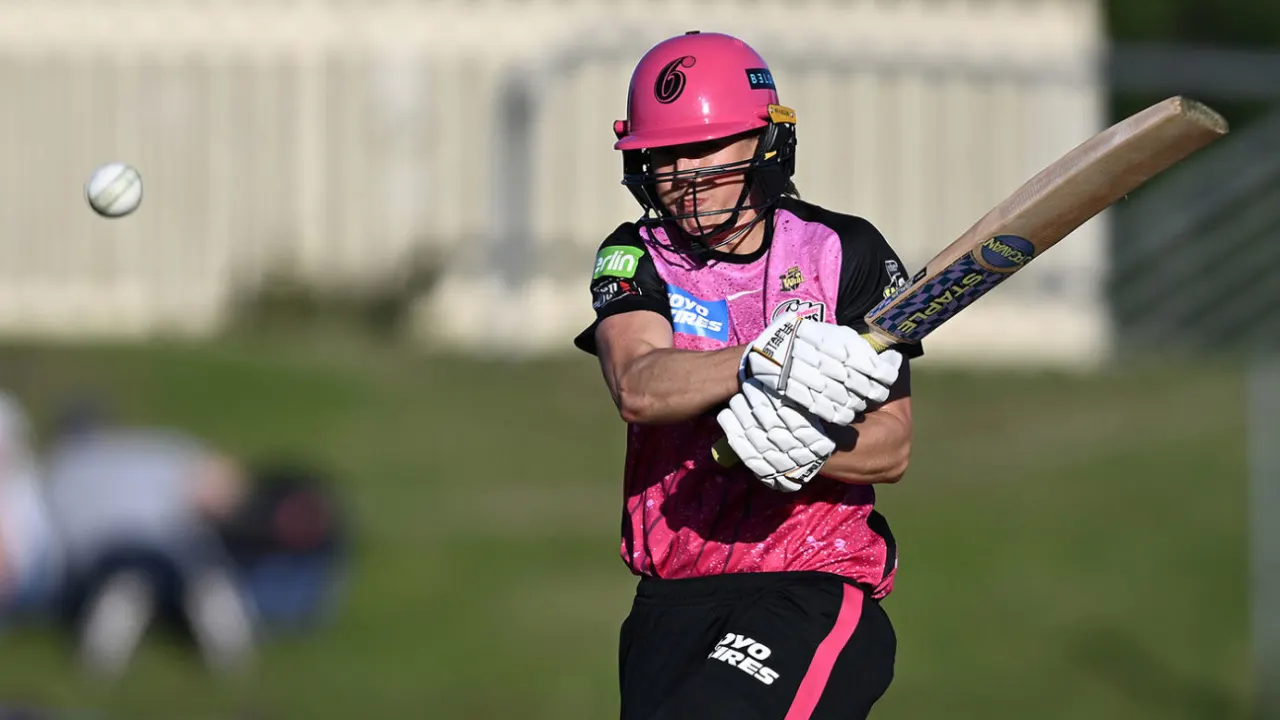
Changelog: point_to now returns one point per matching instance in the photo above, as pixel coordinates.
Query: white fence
(338, 136)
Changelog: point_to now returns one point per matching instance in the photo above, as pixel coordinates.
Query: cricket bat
(1047, 208)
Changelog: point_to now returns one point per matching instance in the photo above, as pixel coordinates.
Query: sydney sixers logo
(671, 81)
(803, 308)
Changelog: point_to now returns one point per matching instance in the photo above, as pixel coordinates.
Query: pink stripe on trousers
(815, 680)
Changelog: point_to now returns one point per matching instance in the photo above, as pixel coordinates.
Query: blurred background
(329, 358)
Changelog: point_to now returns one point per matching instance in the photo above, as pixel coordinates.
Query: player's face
(716, 194)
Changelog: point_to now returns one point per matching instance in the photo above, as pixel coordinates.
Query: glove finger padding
(871, 374)
(782, 445)
(889, 365)
(819, 335)
(827, 366)
(808, 431)
(834, 404)
(762, 408)
(804, 361)
(754, 438)
(882, 374)
(736, 435)
(767, 409)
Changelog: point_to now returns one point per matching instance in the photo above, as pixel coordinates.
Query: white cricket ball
(114, 190)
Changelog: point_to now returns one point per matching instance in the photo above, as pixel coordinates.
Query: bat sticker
(962, 282)
(1004, 253)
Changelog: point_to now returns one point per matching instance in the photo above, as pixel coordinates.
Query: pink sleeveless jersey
(686, 516)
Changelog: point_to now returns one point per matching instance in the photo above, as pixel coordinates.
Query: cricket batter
(734, 308)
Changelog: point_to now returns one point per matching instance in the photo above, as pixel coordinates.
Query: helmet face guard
(765, 177)
(696, 88)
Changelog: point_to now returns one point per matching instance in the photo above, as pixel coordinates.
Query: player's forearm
(666, 385)
(877, 449)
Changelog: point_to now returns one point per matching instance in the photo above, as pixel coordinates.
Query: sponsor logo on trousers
(745, 654)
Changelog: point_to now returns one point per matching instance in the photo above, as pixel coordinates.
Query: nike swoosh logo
(737, 295)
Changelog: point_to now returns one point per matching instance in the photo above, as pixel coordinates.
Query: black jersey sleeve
(870, 271)
(623, 279)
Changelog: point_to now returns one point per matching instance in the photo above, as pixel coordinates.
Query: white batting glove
(827, 369)
(783, 445)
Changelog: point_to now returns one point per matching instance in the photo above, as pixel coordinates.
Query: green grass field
(1071, 548)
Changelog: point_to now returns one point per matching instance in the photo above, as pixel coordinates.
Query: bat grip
(723, 453)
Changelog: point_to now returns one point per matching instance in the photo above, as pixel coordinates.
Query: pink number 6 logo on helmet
(670, 83)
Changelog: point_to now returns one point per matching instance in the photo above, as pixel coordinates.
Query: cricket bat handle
(723, 453)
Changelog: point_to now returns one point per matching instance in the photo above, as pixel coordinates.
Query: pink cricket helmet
(696, 87)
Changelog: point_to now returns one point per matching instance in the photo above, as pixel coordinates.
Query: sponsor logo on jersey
(692, 315)
(897, 280)
(807, 309)
(792, 279)
(619, 261)
(747, 655)
(893, 270)
(607, 292)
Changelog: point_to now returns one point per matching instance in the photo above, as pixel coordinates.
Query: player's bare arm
(876, 448)
(654, 383)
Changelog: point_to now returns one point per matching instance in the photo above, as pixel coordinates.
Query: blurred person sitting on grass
(137, 509)
(29, 554)
(288, 540)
